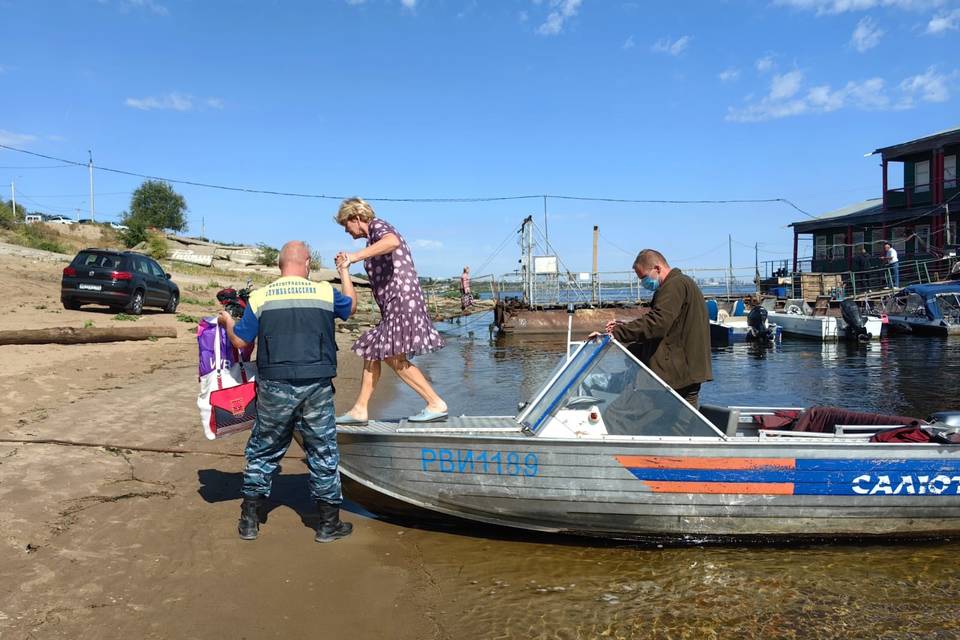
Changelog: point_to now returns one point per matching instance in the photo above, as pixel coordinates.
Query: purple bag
(205, 337)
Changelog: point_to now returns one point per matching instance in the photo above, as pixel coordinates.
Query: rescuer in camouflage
(292, 320)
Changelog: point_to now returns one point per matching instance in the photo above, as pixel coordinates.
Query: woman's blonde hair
(354, 208)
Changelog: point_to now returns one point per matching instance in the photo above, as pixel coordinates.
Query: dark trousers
(691, 394)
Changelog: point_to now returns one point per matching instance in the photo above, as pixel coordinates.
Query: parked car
(118, 226)
(60, 220)
(33, 217)
(119, 279)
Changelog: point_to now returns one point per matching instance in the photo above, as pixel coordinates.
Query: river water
(497, 583)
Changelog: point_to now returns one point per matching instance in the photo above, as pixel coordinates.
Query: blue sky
(468, 98)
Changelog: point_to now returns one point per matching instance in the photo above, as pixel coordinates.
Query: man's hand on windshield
(612, 325)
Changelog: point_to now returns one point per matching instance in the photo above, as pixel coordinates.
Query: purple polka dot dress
(405, 327)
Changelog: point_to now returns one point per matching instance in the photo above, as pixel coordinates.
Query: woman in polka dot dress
(405, 328)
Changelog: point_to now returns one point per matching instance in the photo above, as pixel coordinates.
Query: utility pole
(595, 275)
(13, 196)
(756, 265)
(546, 230)
(93, 217)
(729, 264)
(203, 228)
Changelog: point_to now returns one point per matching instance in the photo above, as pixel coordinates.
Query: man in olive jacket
(673, 337)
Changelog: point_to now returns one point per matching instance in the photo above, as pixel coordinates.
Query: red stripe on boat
(730, 464)
(757, 488)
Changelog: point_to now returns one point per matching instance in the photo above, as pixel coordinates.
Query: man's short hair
(649, 258)
(887, 244)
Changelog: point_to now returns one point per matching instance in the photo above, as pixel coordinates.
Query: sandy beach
(132, 534)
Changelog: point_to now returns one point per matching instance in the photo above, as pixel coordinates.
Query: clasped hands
(344, 260)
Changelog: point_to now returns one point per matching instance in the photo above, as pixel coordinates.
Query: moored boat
(926, 308)
(794, 320)
(606, 449)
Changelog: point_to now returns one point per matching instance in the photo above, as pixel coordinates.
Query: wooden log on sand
(77, 335)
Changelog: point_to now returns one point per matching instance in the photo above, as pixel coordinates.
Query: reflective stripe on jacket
(295, 340)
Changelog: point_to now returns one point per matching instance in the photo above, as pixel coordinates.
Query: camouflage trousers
(281, 408)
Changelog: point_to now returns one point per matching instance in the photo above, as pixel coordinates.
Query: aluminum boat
(605, 448)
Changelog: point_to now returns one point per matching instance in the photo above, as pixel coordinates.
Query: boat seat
(712, 309)
(723, 418)
(739, 309)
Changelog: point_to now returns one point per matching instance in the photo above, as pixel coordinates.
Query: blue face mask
(649, 283)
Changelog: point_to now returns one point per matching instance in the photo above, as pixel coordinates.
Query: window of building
(839, 246)
(950, 172)
(898, 238)
(820, 246)
(858, 242)
(921, 177)
(921, 233)
(953, 233)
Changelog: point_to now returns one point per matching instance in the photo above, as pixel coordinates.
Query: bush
(157, 246)
(135, 233)
(268, 255)
(38, 236)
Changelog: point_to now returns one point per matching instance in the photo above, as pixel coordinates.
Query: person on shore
(466, 297)
(673, 337)
(892, 261)
(292, 320)
(405, 328)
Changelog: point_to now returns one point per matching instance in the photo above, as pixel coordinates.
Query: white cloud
(627, 44)
(673, 48)
(785, 85)
(15, 139)
(173, 102)
(787, 97)
(931, 86)
(428, 244)
(146, 5)
(866, 35)
(944, 22)
(560, 12)
(729, 75)
(354, 3)
(822, 7)
(409, 4)
(764, 64)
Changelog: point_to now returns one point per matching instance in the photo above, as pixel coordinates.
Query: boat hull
(724, 334)
(827, 328)
(923, 326)
(521, 320)
(632, 488)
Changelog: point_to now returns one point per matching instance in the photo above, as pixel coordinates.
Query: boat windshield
(910, 305)
(631, 399)
(949, 305)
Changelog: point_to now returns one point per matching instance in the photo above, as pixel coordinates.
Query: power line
(410, 200)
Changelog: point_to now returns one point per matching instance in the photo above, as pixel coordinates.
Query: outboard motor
(757, 321)
(856, 327)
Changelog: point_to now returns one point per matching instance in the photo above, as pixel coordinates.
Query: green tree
(268, 255)
(136, 231)
(156, 204)
(8, 218)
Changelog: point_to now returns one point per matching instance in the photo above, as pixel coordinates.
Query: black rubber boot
(331, 526)
(249, 525)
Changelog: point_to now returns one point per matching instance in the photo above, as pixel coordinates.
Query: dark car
(119, 279)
